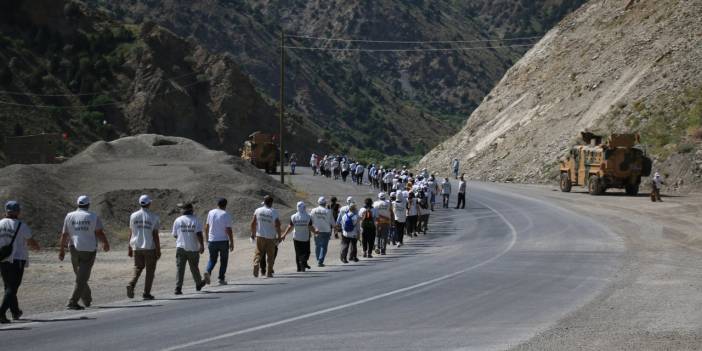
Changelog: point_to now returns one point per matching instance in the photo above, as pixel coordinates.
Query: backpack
(349, 226)
(6, 250)
(367, 224)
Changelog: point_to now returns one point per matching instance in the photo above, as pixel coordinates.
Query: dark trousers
(383, 231)
(82, 262)
(192, 258)
(368, 241)
(411, 225)
(302, 253)
(348, 244)
(144, 259)
(12, 278)
(399, 231)
(218, 249)
(445, 199)
(461, 200)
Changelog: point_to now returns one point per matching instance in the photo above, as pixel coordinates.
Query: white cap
(350, 200)
(144, 200)
(322, 200)
(83, 200)
(382, 196)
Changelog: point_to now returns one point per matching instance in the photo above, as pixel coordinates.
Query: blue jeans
(221, 249)
(321, 242)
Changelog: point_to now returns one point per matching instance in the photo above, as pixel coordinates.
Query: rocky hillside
(612, 66)
(396, 103)
(65, 68)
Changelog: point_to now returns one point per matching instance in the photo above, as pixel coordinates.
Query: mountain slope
(65, 68)
(392, 102)
(612, 66)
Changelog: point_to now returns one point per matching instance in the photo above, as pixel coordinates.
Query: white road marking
(359, 302)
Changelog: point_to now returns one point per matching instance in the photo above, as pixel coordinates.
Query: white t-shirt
(143, 223)
(462, 187)
(383, 208)
(81, 225)
(413, 207)
(322, 219)
(7, 231)
(218, 220)
(399, 209)
(265, 222)
(301, 229)
(185, 229)
(446, 188)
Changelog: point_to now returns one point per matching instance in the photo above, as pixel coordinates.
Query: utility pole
(282, 105)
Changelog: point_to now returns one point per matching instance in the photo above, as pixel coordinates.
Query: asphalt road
(487, 277)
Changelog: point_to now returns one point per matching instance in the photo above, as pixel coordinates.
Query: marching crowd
(402, 209)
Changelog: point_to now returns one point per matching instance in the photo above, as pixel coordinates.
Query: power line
(412, 42)
(91, 106)
(405, 50)
(17, 93)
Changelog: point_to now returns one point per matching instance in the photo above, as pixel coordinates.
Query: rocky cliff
(611, 66)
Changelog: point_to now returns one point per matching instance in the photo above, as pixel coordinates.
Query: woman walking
(412, 214)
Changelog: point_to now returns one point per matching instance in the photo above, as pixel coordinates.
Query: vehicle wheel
(595, 186)
(632, 189)
(566, 184)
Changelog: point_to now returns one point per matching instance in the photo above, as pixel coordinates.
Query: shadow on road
(15, 329)
(229, 292)
(126, 306)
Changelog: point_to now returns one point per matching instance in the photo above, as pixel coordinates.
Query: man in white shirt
(322, 221)
(81, 231)
(301, 227)
(382, 223)
(144, 246)
(399, 210)
(220, 238)
(432, 190)
(187, 230)
(445, 192)
(15, 233)
(461, 193)
(265, 229)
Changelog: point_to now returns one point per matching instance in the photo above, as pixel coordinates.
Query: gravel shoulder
(654, 300)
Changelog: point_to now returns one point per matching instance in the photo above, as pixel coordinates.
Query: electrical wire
(17, 93)
(91, 106)
(405, 50)
(412, 42)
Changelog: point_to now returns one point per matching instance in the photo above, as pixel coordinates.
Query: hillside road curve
(485, 278)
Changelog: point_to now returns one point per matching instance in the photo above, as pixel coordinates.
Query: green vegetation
(669, 123)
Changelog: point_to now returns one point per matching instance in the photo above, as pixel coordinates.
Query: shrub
(685, 148)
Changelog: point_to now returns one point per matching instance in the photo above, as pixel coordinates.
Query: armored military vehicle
(260, 149)
(618, 163)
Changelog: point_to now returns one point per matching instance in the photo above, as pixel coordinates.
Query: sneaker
(255, 272)
(130, 291)
(307, 266)
(222, 282)
(198, 287)
(344, 260)
(178, 292)
(269, 275)
(87, 303)
(320, 264)
(365, 254)
(4, 320)
(148, 297)
(75, 307)
(355, 259)
(300, 270)
(17, 316)
(370, 256)
(382, 254)
(206, 278)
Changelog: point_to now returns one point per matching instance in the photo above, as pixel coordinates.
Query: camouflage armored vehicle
(618, 163)
(261, 150)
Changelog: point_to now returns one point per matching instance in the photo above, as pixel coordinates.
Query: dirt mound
(607, 68)
(114, 174)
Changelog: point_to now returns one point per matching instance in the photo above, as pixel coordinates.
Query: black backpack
(6, 250)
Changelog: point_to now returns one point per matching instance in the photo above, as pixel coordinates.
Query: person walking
(445, 192)
(383, 222)
(423, 215)
(455, 165)
(335, 207)
(349, 239)
(265, 229)
(301, 227)
(220, 240)
(369, 216)
(322, 221)
(461, 193)
(313, 164)
(190, 244)
(144, 246)
(412, 214)
(15, 236)
(359, 170)
(399, 210)
(656, 184)
(81, 231)
(433, 189)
